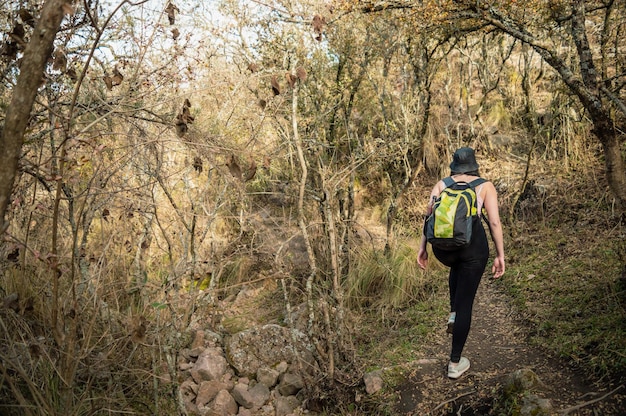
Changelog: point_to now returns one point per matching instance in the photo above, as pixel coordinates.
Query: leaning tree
(583, 42)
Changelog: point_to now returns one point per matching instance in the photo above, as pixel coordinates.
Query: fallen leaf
(275, 85)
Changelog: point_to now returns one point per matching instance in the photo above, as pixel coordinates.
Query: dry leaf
(14, 256)
(185, 115)
(9, 49)
(291, 79)
(117, 77)
(171, 10)
(18, 31)
(318, 26)
(197, 164)
(252, 67)
(181, 126)
(233, 167)
(138, 334)
(27, 17)
(60, 60)
(175, 33)
(108, 82)
(72, 74)
(301, 73)
(34, 350)
(251, 171)
(275, 85)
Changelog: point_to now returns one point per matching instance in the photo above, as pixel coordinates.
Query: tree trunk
(615, 172)
(598, 110)
(33, 63)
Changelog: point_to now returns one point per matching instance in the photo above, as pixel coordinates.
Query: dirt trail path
(497, 346)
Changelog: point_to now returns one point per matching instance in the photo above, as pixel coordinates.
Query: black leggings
(467, 266)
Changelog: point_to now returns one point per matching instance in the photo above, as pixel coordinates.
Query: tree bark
(33, 64)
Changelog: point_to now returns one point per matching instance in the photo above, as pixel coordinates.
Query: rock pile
(254, 372)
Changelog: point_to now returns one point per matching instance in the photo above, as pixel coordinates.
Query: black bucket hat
(464, 161)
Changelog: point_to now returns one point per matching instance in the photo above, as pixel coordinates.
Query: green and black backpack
(449, 226)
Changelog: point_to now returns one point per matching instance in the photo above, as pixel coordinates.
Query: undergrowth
(569, 289)
(565, 274)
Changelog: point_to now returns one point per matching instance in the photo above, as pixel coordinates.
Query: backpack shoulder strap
(448, 181)
(477, 182)
(473, 184)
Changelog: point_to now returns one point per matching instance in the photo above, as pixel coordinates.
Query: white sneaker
(456, 369)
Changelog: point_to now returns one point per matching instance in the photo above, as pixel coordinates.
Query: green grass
(566, 283)
(399, 305)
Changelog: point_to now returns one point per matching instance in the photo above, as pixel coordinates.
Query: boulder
(211, 365)
(264, 346)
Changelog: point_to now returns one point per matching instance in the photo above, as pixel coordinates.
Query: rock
(373, 381)
(187, 354)
(249, 350)
(185, 366)
(188, 390)
(251, 397)
(522, 380)
(286, 405)
(211, 365)
(282, 367)
(203, 338)
(290, 384)
(533, 405)
(208, 390)
(519, 390)
(241, 395)
(260, 394)
(198, 340)
(211, 387)
(195, 353)
(267, 376)
(224, 405)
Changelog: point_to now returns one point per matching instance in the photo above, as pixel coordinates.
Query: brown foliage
(184, 118)
(275, 85)
(171, 11)
(318, 26)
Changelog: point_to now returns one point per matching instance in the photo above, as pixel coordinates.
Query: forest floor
(497, 346)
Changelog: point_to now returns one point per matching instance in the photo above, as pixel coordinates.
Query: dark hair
(471, 173)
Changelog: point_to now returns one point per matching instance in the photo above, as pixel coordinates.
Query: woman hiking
(467, 264)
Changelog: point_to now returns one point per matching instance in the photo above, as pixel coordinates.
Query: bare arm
(495, 226)
(422, 254)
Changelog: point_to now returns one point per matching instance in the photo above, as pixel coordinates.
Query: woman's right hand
(498, 267)
(422, 258)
